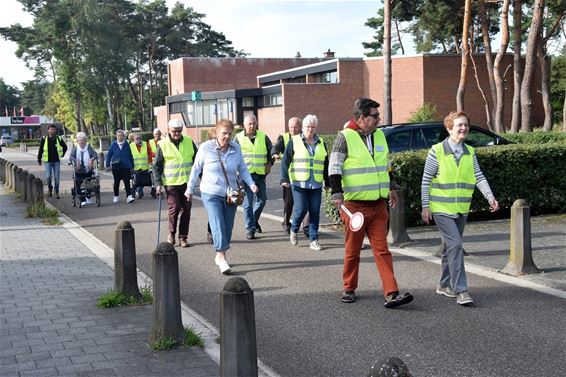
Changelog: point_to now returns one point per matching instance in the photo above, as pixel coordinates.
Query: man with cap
(256, 149)
(153, 142)
(171, 169)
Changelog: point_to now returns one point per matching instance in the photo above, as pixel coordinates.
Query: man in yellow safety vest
(51, 149)
(142, 157)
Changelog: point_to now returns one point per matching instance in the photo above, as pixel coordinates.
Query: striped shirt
(431, 171)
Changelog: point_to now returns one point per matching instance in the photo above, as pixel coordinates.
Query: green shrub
(426, 113)
(538, 137)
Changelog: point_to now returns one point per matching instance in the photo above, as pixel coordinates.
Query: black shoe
(348, 297)
(288, 229)
(250, 235)
(306, 232)
(396, 299)
(258, 228)
(57, 195)
(50, 193)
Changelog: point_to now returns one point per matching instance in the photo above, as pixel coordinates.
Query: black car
(413, 136)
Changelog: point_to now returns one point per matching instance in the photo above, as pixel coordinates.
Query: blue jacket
(117, 158)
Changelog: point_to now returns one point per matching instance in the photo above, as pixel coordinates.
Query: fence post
(520, 251)
(388, 367)
(397, 230)
(238, 350)
(125, 270)
(167, 319)
(101, 162)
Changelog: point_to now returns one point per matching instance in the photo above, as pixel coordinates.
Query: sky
(262, 28)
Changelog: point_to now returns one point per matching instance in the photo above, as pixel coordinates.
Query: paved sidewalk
(49, 322)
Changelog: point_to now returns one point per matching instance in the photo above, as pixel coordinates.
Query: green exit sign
(195, 95)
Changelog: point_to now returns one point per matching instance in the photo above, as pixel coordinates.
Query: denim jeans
(220, 218)
(254, 203)
(52, 168)
(452, 260)
(306, 200)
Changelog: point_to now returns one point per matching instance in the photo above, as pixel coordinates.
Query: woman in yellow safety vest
(450, 176)
(304, 168)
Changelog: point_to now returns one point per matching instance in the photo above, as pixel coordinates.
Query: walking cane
(160, 194)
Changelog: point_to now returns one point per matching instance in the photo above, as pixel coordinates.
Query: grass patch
(113, 298)
(48, 215)
(191, 339)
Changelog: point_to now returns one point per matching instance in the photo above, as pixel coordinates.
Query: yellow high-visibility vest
(365, 177)
(58, 141)
(451, 190)
(300, 168)
(255, 154)
(140, 158)
(178, 162)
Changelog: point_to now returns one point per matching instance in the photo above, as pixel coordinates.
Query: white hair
(81, 135)
(156, 130)
(175, 123)
(250, 116)
(310, 120)
(121, 132)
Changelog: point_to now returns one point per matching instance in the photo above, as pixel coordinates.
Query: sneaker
(171, 238)
(250, 235)
(293, 238)
(50, 193)
(396, 299)
(57, 195)
(464, 298)
(348, 297)
(183, 242)
(224, 267)
(116, 199)
(130, 199)
(258, 228)
(287, 230)
(315, 245)
(88, 201)
(84, 203)
(446, 291)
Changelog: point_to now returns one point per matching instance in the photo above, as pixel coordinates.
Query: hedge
(537, 137)
(536, 173)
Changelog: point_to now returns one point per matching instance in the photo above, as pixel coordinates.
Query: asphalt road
(304, 330)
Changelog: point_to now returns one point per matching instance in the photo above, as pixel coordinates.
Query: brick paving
(49, 322)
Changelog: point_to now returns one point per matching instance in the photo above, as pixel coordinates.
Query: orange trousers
(375, 227)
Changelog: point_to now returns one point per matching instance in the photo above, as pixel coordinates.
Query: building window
(247, 101)
(272, 100)
(296, 80)
(329, 77)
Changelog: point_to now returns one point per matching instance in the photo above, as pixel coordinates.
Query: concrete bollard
(238, 350)
(125, 270)
(18, 181)
(7, 169)
(389, 367)
(101, 162)
(23, 147)
(29, 187)
(13, 169)
(520, 252)
(25, 175)
(167, 319)
(2, 170)
(37, 191)
(397, 230)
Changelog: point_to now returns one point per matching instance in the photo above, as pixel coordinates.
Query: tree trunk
(399, 37)
(544, 62)
(530, 66)
(564, 113)
(500, 89)
(465, 52)
(517, 66)
(387, 111)
(488, 63)
(109, 106)
(150, 65)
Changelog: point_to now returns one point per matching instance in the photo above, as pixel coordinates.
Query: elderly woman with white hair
(304, 168)
(83, 157)
(120, 158)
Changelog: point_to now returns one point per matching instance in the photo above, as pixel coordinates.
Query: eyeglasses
(138, 138)
(374, 116)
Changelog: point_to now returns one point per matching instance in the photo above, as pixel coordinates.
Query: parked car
(6, 140)
(414, 136)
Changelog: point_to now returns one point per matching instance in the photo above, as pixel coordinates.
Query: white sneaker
(84, 203)
(293, 238)
(88, 201)
(116, 199)
(130, 199)
(224, 267)
(315, 245)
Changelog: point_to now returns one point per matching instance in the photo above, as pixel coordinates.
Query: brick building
(277, 89)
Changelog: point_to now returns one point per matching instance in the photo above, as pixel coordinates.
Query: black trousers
(287, 205)
(121, 175)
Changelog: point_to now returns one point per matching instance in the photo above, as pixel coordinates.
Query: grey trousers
(453, 271)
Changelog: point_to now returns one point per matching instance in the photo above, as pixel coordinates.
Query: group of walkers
(356, 170)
